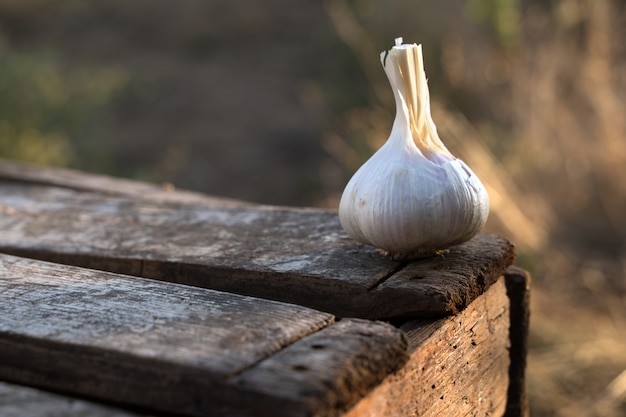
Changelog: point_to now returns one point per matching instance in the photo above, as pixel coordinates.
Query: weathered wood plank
(166, 194)
(449, 285)
(299, 256)
(223, 332)
(458, 366)
(176, 348)
(21, 401)
(329, 370)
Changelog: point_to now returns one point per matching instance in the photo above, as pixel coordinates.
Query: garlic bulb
(412, 198)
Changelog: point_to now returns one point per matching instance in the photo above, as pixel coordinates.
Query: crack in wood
(389, 274)
(256, 363)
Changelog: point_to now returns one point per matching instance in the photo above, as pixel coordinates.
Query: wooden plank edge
(296, 287)
(108, 376)
(440, 293)
(462, 285)
(20, 401)
(80, 181)
(165, 193)
(518, 283)
(316, 376)
(328, 371)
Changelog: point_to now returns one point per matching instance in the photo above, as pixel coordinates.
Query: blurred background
(279, 102)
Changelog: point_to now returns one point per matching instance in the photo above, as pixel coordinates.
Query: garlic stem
(404, 66)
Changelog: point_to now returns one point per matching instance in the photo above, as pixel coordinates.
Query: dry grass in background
(551, 156)
(280, 103)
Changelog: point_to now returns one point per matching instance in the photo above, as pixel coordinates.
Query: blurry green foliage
(43, 105)
(502, 16)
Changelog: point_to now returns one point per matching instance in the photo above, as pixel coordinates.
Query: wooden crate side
(458, 366)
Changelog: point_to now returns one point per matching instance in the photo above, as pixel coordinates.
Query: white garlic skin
(410, 205)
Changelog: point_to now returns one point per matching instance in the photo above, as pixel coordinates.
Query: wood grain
(329, 370)
(334, 367)
(178, 348)
(300, 256)
(42, 300)
(458, 365)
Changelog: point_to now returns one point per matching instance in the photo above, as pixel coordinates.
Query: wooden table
(122, 299)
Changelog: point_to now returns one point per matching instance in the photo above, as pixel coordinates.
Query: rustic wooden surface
(330, 369)
(21, 401)
(160, 344)
(300, 256)
(458, 365)
(103, 184)
(183, 349)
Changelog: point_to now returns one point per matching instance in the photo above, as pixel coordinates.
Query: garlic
(412, 198)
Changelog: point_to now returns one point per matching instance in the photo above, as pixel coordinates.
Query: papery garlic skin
(412, 198)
